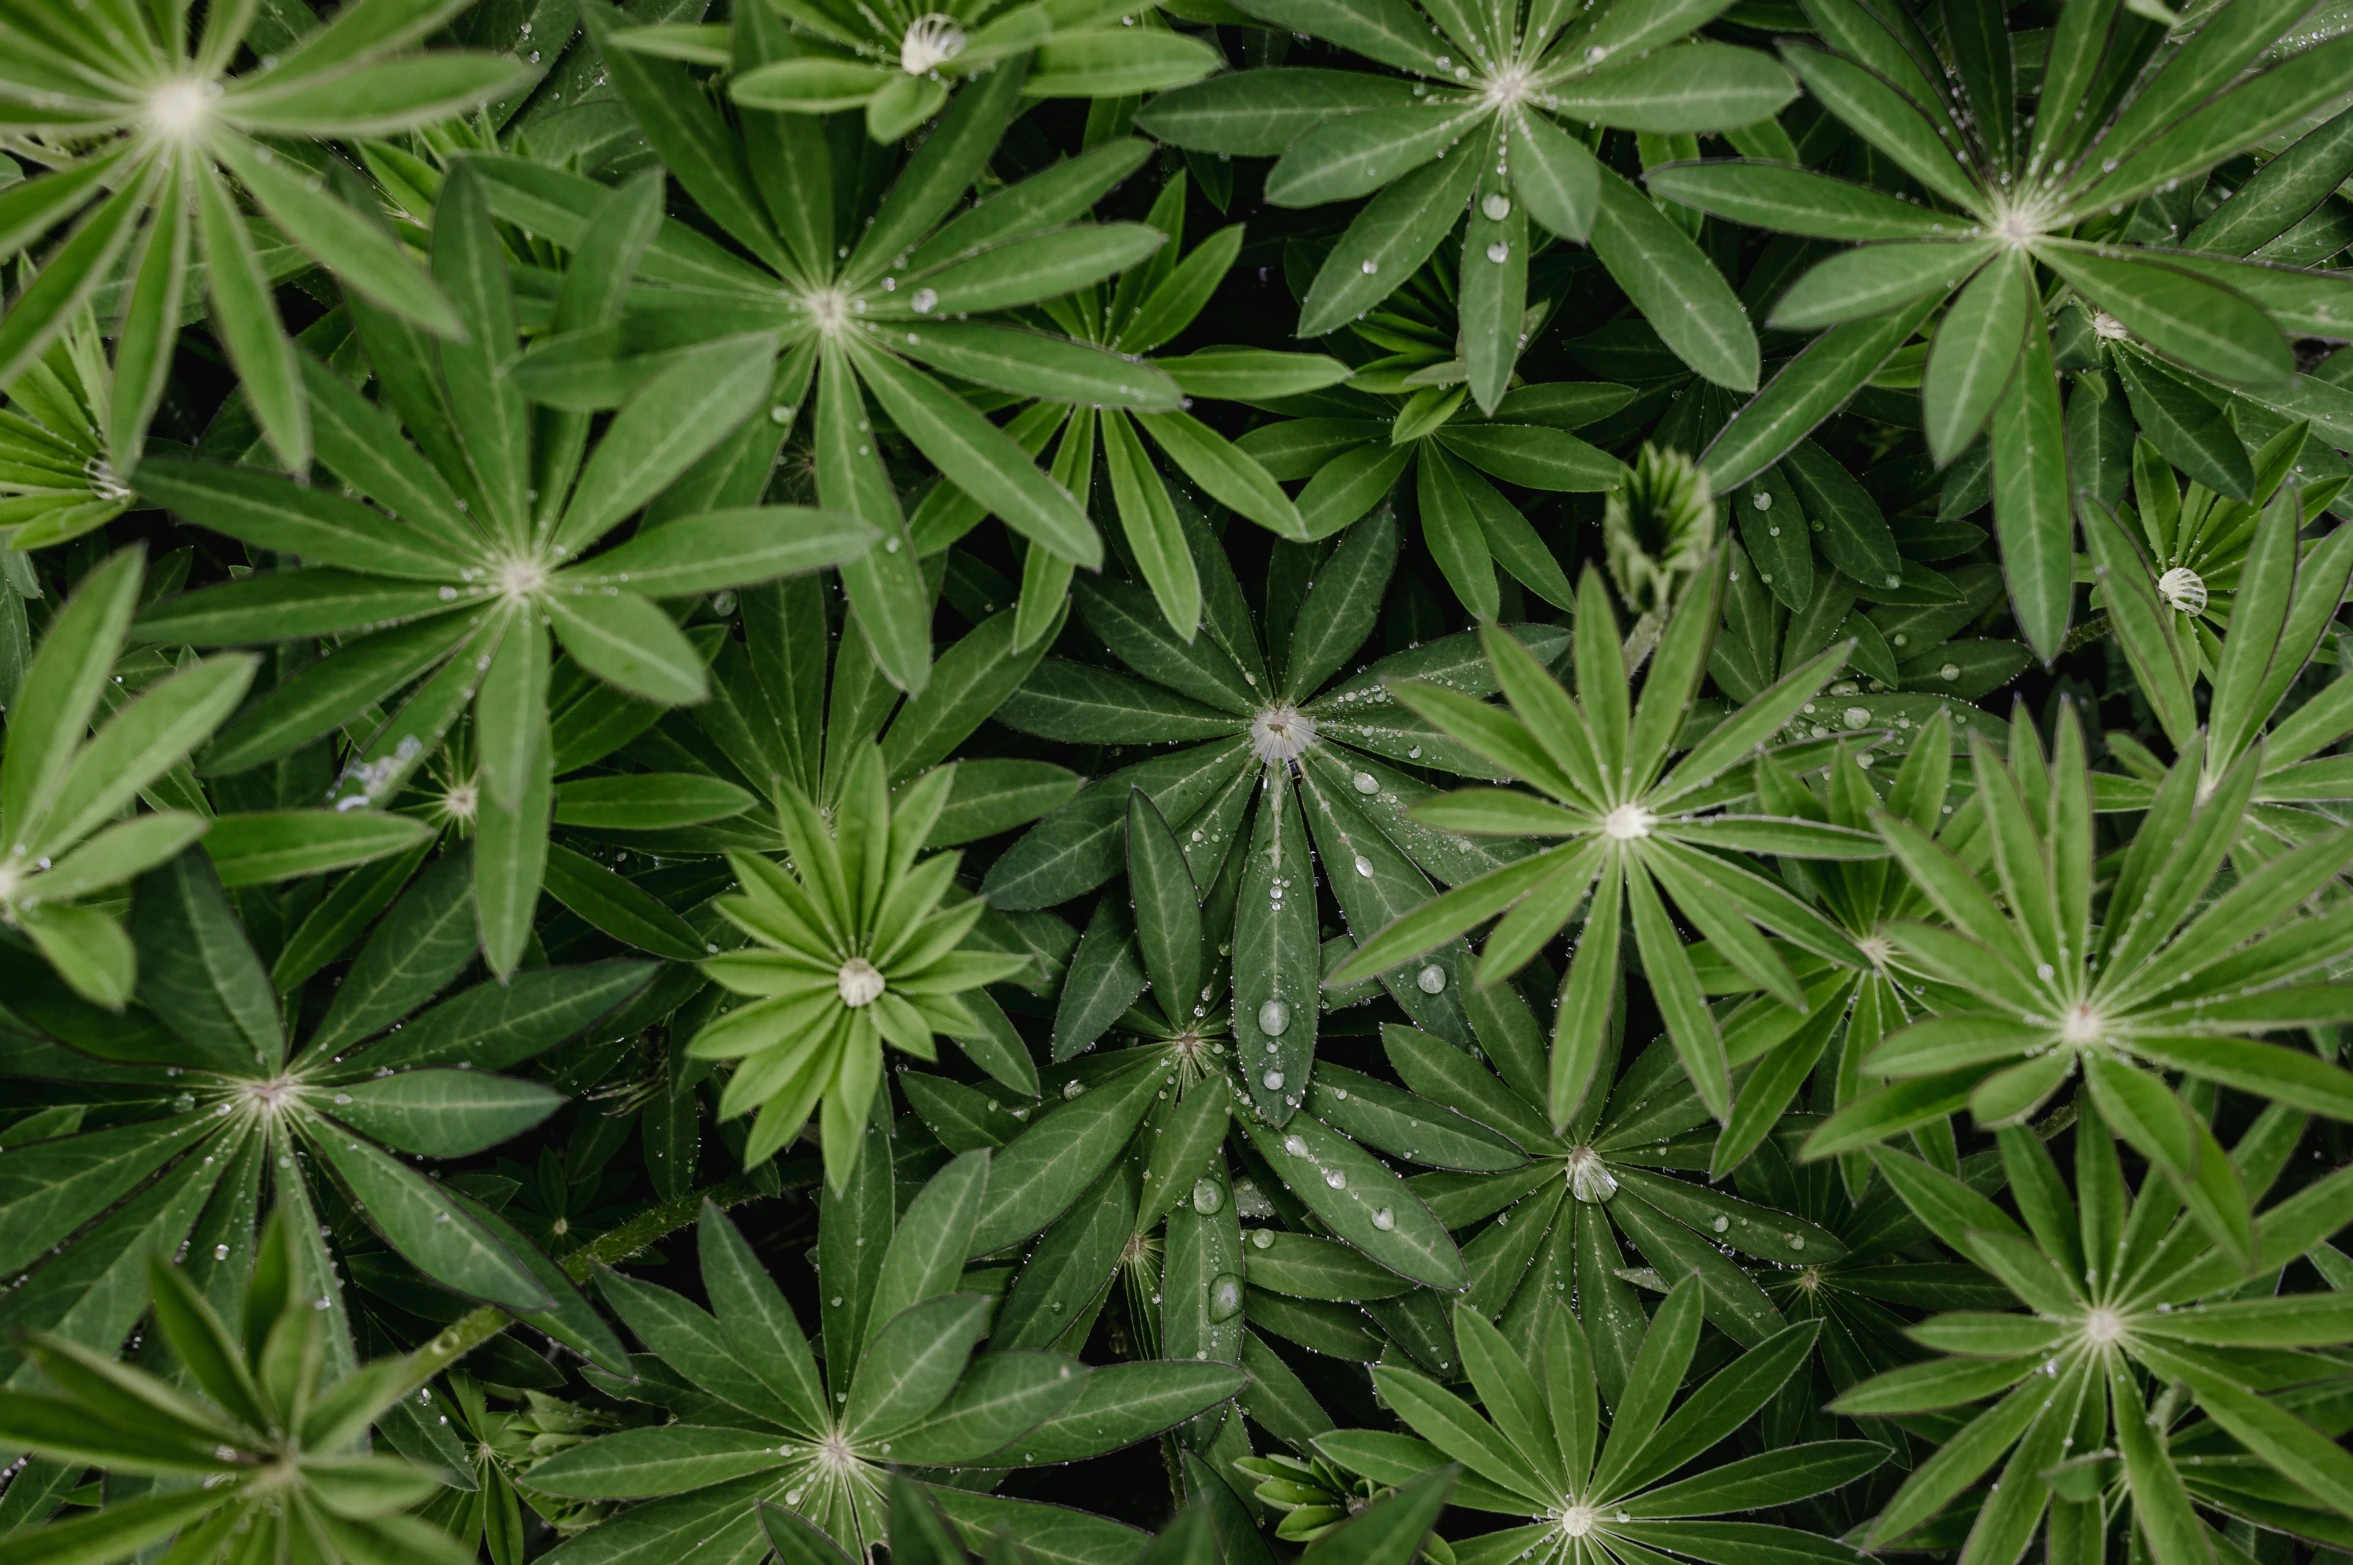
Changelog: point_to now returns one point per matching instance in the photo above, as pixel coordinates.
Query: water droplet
(1208, 1196)
(1273, 1017)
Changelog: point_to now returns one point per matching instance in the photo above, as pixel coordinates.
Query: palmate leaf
(1568, 749)
(179, 125)
(2152, 947)
(62, 784)
(1492, 102)
(497, 572)
(1955, 131)
(2094, 1281)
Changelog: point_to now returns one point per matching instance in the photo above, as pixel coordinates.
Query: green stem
(463, 1335)
(2086, 633)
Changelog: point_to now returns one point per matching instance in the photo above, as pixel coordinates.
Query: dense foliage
(1475, 780)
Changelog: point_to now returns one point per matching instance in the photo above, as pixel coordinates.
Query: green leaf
(60, 691)
(1725, 1402)
(1225, 472)
(74, 271)
(1261, 113)
(1033, 364)
(1808, 389)
(619, 907)
(1354, 155)
(1371, 1111)
(2205, 325)
(2282, 192)
(1391, 1529)
(1001, 1398)
(287, 605)
(1689, 87)
(720, 549)
(758, 1323)
(1167, 908)
(1121, 1404)
(120, 1531)
(510, 860)
(648, 801)
(2187, 427)
(2032, 518)
(443, 1113)
(675, 418)
(1791, 200)
(636, 1463)
(1555, 175)
(1883, 117)
(360, 252)
(1024, 271)
(418, 1221)
(262, 846)
(986, 463)
(1677, 289)
(49, 1189)
(332, 692)
(251, 331)
(1975, 352)
(628, 642)
(1534, 457)
(1853, 533)
(1148, 518)
(1113, 62)
(200, 971)
(1397, 231)
(1235, 373)
(1873, 279)
(1036, 1177)
(1389, 31)
(1368, 1206)
(912, 1364)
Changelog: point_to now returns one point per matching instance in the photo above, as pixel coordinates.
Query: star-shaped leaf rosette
(909, 281)
(256, 1449)
(146, 129)
(1480, 127)
(855, 944)
(2020, 185)
(1629, 822)
(2169, 976)
(760, 1424)
(2135, 1324)
(477, 550)
(1596, 1496)
(1279, 751)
